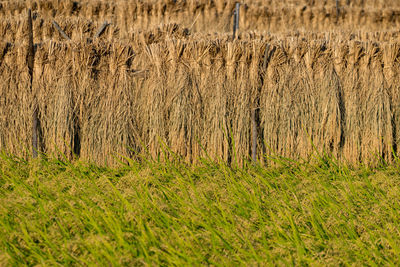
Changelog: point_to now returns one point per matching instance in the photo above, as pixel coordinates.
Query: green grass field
(54, 212)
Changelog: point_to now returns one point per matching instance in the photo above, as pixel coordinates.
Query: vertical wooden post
(255, 106)
(337, 11)
(231, 152)
(30, 62)
(30, 46)
(236, 20)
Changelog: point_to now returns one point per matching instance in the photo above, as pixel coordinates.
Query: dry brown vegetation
(212, 16)
(170, 73)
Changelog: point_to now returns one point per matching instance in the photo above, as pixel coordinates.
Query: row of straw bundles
(214, 16)
(14, 30)
(104, 8)
(102, 100)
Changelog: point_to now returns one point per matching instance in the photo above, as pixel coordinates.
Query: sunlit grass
(55, 212)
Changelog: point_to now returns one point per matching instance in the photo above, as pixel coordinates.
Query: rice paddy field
(169, 213)
(146, 133)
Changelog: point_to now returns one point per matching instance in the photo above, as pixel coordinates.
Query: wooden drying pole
(63, 34)
(229, 123)
(236, 20)
(101, 30)
(255, 108)
(30, 63)
(236, 17)
(337, 10)
(268, 53)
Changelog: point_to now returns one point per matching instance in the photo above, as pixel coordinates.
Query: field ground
(55, 212)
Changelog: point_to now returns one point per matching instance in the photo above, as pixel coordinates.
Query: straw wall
(209, 16)
(109, 99)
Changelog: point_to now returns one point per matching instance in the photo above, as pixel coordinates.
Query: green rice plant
(157, 212)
